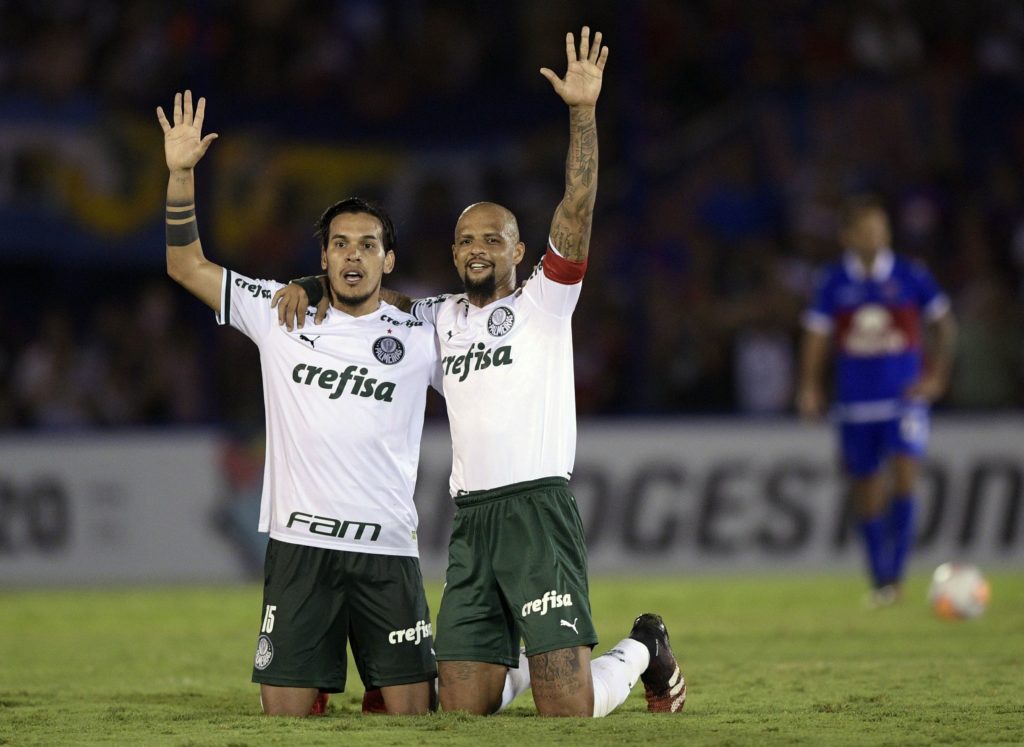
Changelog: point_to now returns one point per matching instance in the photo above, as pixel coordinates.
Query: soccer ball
(958, 591)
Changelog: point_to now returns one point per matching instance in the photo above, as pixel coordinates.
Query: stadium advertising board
(120, 509)
(721, 495)
(702, 495)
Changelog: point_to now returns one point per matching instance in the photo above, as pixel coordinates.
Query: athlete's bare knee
(287, 701)
(408, 700)
(562, 683)
(869, 495)
(905, 469)
(470, 686)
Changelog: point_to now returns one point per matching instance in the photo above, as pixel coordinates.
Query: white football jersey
(508, 383)
(344, 403)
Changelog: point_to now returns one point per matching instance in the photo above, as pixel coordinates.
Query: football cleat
(320, 704)
(883, 596)
(373, 701)
(664, 684)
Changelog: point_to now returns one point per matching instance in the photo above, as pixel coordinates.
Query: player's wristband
(311, 284)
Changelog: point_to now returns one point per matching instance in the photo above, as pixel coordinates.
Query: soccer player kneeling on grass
(517, 562)
(344, 412)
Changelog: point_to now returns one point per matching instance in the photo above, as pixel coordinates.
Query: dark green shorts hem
(406, 679)
(482, 658)
(332, 687)
(548, 648)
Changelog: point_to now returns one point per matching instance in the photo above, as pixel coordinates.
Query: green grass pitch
(771, 660)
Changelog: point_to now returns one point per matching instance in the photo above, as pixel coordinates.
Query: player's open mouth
(478, 266)
(352, 277)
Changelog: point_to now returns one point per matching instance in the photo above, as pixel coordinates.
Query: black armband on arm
(182, 234)
(314, 290)
(181, 229)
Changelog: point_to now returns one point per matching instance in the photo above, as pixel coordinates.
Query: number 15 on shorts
(268, 619)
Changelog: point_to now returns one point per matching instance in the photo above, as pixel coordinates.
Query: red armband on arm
(562, 270)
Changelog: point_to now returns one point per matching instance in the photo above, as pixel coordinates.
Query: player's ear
(455, 256)
(518, 252)
(389, 262)
(323, 258)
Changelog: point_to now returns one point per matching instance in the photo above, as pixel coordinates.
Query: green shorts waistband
(480, 497)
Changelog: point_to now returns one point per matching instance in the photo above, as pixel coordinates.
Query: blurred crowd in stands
(730, 131)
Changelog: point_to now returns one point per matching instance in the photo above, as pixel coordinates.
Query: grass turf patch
(769, 660)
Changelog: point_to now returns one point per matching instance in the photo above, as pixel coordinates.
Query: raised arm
(184, 145)
(571, 224)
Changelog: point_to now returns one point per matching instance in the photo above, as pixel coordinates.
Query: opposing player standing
(876, 307)
(344, 408)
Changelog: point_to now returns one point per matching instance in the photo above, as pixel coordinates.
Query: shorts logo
(550, 600)
(264, 653)
(414, 635)
(388, 350)
(500, 321)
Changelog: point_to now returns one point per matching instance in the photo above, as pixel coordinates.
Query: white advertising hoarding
(676, 497)
(721, 495)
(130, 508)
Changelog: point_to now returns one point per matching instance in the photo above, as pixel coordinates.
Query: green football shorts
(315, 600)
(517, 568)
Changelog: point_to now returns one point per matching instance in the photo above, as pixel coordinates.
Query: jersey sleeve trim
(815, 321)
(937, 308)
(560, 269)
(224, 317)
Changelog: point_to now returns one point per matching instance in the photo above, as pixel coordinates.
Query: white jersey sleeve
(245, 305)
(437, 377)
(425, 309)
(556, 298)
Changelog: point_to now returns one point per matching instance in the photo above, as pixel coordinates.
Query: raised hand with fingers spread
(184, 146)
(582, 82)
(184, 143)
(571, 224)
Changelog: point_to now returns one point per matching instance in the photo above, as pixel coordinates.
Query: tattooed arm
(184, 145)
(571, 224)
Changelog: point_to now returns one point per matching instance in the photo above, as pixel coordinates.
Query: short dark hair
(355, 205)
(856, 205)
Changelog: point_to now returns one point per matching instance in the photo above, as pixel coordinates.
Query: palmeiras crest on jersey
(388, 350)
(500, 321)
(264, 653)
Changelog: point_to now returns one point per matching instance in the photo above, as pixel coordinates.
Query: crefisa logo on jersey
(264, 653)
(500, 321)
(388, 350)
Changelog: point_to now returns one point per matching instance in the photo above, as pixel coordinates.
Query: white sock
(615, 672)
(517, 681)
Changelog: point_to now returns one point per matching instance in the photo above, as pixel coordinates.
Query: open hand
(582, 83)
(184, 143)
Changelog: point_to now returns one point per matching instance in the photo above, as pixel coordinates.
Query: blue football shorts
(865, 446)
